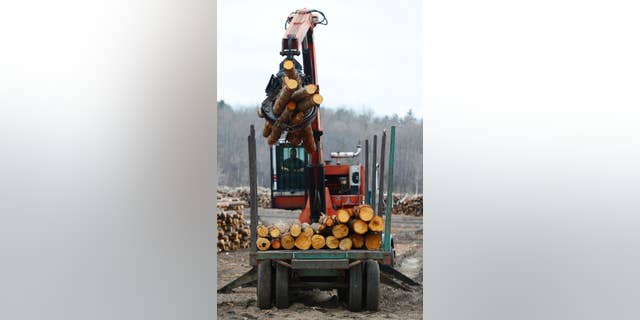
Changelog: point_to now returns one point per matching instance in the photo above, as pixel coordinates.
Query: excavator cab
(287, 175)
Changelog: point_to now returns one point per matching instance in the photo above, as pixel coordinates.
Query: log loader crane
(327, 187)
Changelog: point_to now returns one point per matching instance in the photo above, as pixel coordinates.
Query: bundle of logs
(407, 204)
(291, 105)
(354, 228)
(243, 194)
(233, 230)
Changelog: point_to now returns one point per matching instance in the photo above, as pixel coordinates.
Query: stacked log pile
(292, 104)
(353, 228)
(407, 204)
(244, 194)
(233, 230)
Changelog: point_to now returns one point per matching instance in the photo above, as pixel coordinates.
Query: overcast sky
(368, 56)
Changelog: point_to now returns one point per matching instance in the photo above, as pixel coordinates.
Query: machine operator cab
(287, 175)
(288, 162)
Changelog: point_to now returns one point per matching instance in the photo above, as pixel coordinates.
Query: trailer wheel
(282, 286)
(264, 286)
(354, 296)
(372, 285)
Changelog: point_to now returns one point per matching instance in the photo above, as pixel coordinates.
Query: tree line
(343, 130)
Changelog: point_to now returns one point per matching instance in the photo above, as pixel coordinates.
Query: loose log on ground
(303, 242)
(275, 243)
(295, 229)
(304, 92)
(376, 224)
(358, 226)
(357, 240)
(345, 244)
(317, 241)
(365, 213)
(373, 241)
(263, 243)
(343, 216)
(263, 231)
(332, 242)
(340, 230)
(287, 241)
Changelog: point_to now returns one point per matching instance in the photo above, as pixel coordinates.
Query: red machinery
(321, 187)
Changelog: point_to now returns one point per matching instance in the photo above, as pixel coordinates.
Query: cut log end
(263, 244)
(365, 213)
(345, 244)
(317, 241)
(340, 231)
(343, 216)
(262, 231)
(288, 64)
(376, 224)
(373, 241)
(287, 242)
(360, 227)
(332, 242)
(275, 244)
(303, 242)
(357, 240)
(295, 229)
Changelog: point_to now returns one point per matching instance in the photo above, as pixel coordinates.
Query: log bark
(275, 243)
(358, 226)
(345, 244)
(343, 216)
(303, 242)
(340, 230)
(295, 230)
(304, 92)
(262, 231)
(317, 241)
(276, 128)
(297, 118)
(308, 140)
(358, 240)
(294, 138)
(287, 241)
(263, 244)
(376, 224)
(289, 86)
(332, 242)
(266, 131)
(365, 213)
(373, 241)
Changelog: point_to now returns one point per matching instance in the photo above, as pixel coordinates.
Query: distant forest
(343, 129)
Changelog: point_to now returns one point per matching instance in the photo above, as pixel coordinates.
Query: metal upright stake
(253, 187)
(367, 191)
(387, 225)
(381, 195)
(373, 173)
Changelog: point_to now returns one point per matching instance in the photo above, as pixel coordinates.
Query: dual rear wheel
(363, 286)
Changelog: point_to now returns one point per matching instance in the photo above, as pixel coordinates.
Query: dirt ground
(316, 304)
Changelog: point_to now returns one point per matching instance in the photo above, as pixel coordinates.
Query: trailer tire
(264, 285)
(355, 291)
(372, 285)
(282, 286)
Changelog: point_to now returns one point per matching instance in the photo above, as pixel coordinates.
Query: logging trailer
(356, 274)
